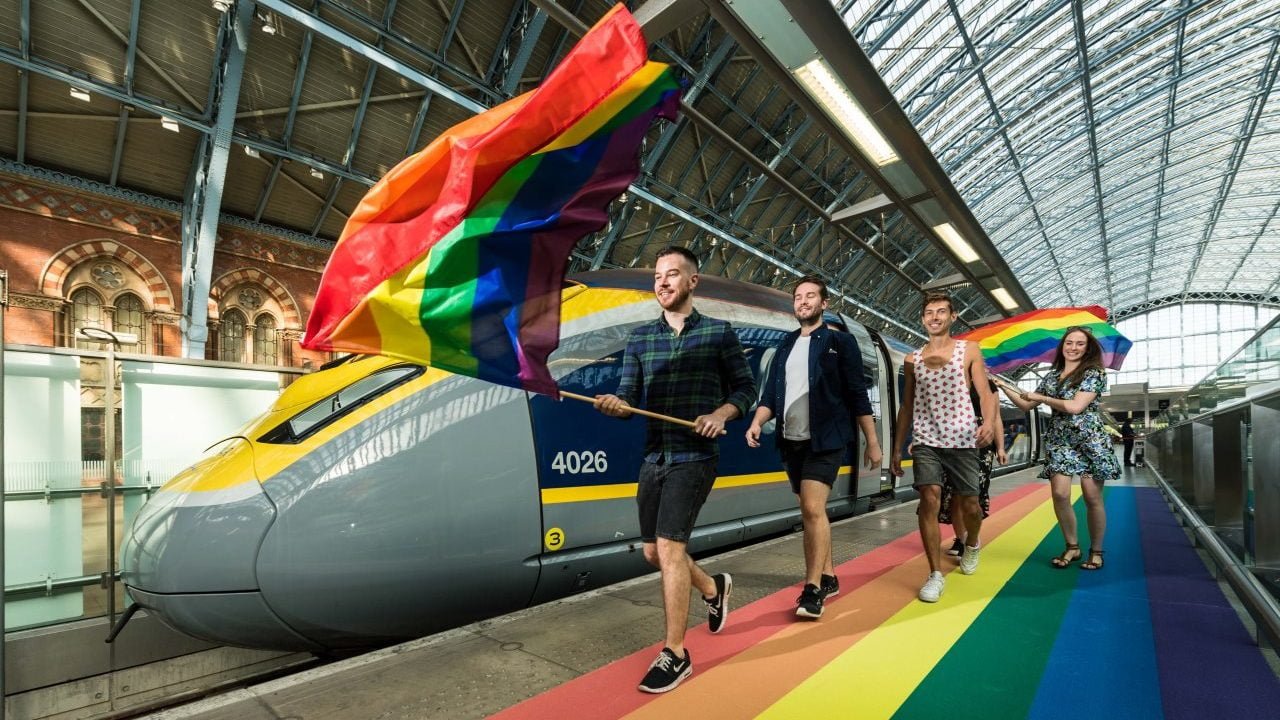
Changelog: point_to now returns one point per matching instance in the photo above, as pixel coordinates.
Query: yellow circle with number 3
(554, 539)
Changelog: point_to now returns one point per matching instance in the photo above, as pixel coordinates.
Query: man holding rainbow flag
(456, 259)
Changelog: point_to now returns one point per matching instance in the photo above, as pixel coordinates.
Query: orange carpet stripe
(609, 691)
(756, 678)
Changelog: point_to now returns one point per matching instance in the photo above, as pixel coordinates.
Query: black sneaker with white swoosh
(667, 672)
(718, 606)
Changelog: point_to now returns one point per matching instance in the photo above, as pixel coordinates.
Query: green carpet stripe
(995, 668)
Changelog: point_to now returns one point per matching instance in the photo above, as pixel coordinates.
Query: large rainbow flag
(456, 257)
(1033, 337)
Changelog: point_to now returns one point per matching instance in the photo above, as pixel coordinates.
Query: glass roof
(1116, 151)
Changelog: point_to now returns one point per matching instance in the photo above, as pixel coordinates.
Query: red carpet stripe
(609, 692)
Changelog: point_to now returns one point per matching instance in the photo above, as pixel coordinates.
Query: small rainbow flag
(455, 259)
(1033, 337)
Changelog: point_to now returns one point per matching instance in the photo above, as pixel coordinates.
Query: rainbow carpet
(1149, 636)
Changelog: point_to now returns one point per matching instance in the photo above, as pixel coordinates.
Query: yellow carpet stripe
(879, 673)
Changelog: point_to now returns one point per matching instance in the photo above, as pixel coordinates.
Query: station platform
(1150, 635)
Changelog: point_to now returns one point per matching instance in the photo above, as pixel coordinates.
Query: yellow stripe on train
(587, 493)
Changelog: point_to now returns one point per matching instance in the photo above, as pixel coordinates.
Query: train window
(871, 375)
(340, 403)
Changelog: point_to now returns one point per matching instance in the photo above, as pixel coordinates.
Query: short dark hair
(934, 296)
(683, 252)
(814, 279)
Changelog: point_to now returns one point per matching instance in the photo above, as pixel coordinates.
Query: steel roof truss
(197, 267)
(131, 54)
(24, 49)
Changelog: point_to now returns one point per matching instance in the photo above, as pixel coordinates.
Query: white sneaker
(933, 587)
(969, 561)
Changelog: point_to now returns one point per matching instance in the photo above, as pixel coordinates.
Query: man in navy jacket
(816, 389)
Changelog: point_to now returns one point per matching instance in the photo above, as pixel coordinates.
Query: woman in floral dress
(1075, 441)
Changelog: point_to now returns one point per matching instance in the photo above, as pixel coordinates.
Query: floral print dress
(1077, 444)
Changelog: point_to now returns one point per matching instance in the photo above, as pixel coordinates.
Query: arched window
(264, 340)
(86, 311)
(231, 336)
(129, 317)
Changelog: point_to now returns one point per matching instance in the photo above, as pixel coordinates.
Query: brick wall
(48, 233)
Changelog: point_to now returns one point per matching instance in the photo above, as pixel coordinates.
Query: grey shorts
(670, 496)
(960, 464)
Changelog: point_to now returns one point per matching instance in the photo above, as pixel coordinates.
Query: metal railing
(1218, 464)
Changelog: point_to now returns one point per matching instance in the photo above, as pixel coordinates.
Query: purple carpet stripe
(1103, 662)
(1209, 666)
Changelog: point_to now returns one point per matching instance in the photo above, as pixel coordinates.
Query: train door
(906, 483)
(752, 496)
(871, 481)
(586, 464)
(587, 467)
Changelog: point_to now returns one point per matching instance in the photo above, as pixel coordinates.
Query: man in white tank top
(946, 434)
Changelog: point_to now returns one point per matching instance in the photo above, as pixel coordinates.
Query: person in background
(949, 505)
(683, 364)
(1075, 441)
(1127, 435)
(817, 391)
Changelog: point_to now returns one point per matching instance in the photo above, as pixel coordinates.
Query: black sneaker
(718, 606)
(810, 602)
(667, 672)
(957, 548)
(830, 586)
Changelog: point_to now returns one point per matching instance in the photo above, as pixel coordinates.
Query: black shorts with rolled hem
(959, 464)
(804, 463)
(670, 496)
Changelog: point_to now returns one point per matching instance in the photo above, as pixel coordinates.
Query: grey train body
(450, 499)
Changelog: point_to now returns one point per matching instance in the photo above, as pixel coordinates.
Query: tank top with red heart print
(944, 416)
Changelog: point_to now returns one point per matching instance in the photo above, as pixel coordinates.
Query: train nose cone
(201, 531)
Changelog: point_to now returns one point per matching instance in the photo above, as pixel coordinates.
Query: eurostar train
(378, 501)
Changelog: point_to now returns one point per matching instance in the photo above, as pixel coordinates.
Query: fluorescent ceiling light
(251, 152)
(317, 174)
(169, 124)
(827, 90)
(1003, 297)
(79, 94)
(958, 244)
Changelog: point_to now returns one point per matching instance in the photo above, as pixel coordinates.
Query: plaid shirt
(684, 376)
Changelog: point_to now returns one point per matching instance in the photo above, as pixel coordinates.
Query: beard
(814, 315)
(676, 299)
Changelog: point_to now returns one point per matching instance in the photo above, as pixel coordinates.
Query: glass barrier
(44, 531)
(1251, 369)
(167, 411)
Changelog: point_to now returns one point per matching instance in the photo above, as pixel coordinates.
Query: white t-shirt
(795, 416)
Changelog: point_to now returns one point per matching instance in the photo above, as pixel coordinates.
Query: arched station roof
(1136, 142)
(1120, 152)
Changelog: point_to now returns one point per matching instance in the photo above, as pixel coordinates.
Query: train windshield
(340, 403)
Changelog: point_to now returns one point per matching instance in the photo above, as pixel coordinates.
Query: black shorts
(670, 496)
(803, 463)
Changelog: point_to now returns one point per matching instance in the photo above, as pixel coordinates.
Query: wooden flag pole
(637, 411)
(1007, 385)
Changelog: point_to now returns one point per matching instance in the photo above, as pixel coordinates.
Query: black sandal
(1091, 565)
(1062, 560)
